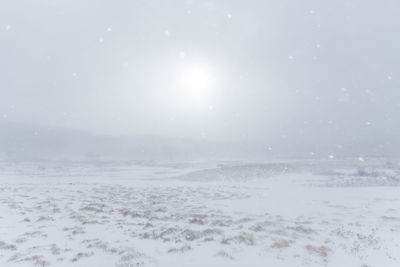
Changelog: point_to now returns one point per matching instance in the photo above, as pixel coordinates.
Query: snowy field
(292, 213)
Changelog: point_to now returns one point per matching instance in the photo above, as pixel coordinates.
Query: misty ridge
(21, 141)
(34, 142)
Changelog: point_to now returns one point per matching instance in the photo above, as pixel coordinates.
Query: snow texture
(123, 214)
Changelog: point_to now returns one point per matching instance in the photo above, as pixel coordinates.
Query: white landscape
(123, 214)
(199, 133)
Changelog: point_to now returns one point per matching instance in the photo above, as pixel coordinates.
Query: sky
(261, 71)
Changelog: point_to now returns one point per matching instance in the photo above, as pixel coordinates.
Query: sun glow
(196, 78)
(196, 82)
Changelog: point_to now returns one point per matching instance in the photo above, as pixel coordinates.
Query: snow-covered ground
(293, 213)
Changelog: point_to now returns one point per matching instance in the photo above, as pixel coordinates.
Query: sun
(192, 85)
(196, 78)
(196, 82)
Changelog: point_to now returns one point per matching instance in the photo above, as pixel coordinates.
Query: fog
(307, 77)
(218, 133)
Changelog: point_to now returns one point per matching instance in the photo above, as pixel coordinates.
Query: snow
(290, 213)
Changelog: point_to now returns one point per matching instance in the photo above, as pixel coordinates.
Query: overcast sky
(327, 71)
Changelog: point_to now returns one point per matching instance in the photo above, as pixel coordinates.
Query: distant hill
(20, 141)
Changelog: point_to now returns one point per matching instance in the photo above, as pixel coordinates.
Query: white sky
(304, 71)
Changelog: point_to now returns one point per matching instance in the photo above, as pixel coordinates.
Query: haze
(310, 74)
(216, 133)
